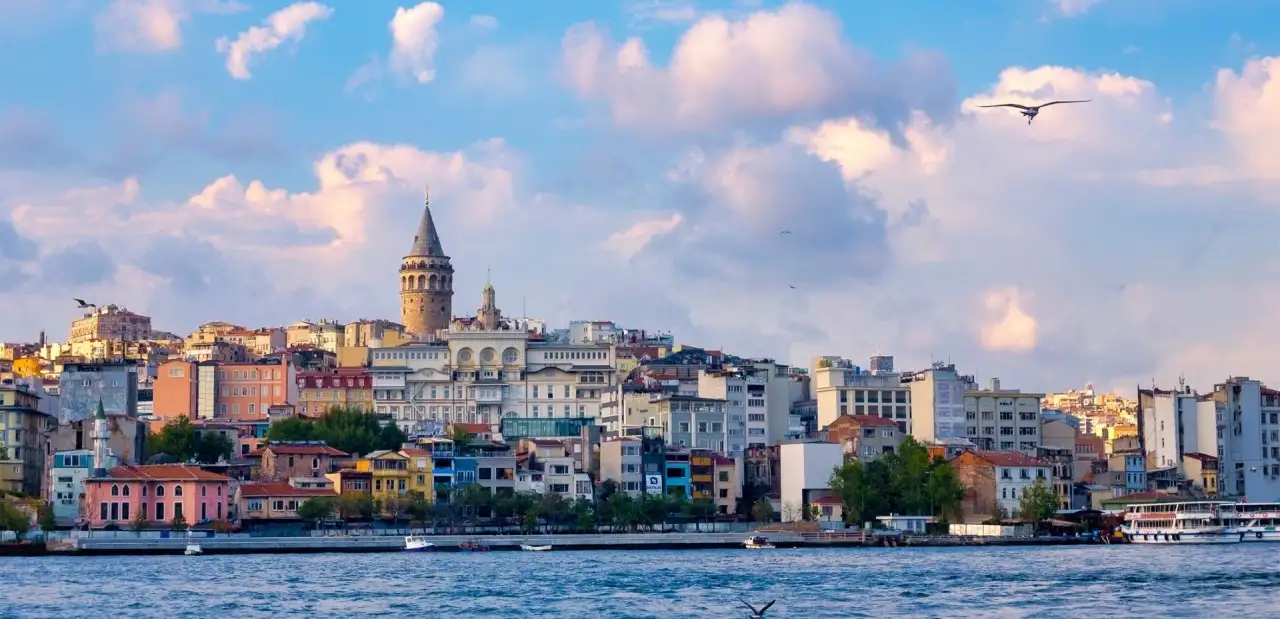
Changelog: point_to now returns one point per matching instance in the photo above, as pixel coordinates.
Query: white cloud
(414, 41)
(1009, 328)
(629, 242)
(1248, 111)
(286, 25)
(484, 22)
(152, 25)
(1075, 8)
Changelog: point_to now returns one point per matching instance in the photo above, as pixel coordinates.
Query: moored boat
(192, 547)
(417, 543)
(473, 545)
(535, 548)
(1253, 522)
(757, 542)
(1198, 522)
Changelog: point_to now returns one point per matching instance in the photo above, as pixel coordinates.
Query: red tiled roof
(414, 452)
(303, 450)
(164, 472)
(279, 488)
(1008, 458)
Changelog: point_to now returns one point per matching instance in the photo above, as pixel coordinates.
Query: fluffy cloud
(1248, 107)
(770, 64)
(286, 25)
(152, 25)
(1075, 8)
(414, 41)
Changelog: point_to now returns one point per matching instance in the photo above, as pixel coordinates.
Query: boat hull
(419, 549)
(1225, 537)
(534, 548)
(1259, 535)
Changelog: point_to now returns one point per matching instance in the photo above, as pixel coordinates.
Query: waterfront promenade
(244, 544)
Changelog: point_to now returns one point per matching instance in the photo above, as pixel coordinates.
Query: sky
(638, 161)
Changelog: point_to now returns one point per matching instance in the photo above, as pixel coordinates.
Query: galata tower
(426, 282)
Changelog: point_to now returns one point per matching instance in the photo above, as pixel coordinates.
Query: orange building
(222, 390)
(344, 387)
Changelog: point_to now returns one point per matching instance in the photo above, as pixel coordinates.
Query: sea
(1237, 581)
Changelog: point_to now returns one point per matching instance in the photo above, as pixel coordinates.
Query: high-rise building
(426, 282)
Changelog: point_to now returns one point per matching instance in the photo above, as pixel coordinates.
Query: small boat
(757, 542)
(417, 543)
(535, 548)
(473, 546)
(192, 547)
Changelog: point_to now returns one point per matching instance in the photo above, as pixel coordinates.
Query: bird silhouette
(785, 232)
(83, 304)
(792, 287)
(1030, 111)
(756, 613)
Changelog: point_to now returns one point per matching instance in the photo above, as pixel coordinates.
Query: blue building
(66, 482)
(82, 385)
(678, 479)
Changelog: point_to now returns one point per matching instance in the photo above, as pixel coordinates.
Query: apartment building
(1003, 419)
(842, 388)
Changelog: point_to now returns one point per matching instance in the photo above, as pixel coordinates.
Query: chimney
(995, 384)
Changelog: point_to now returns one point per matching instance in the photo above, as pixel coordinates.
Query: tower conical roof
(102, 412)
(427, 241)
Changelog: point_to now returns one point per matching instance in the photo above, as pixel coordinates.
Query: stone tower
(426, 282)
(489, 315)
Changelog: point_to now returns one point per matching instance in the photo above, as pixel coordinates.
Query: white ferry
(1253, 522)
(1199, 522)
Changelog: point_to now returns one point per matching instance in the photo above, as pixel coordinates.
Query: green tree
(473, 499)
(583, 513)
(945, 492)
(623, 510)
(417, 506)
(139, 522)
(762, 511)
(178, 523)
(176, 439)
(701, 509)
(290, 430)
(908, 474)
(459, 436)
(46, 518)
(4, 452)
(850, 483)
(212, 447)
(355, 506)
(318, 508)
(1038, 503)
(553, 508)
(14, 519)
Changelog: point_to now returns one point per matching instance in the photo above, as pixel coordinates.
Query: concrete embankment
(454, 543)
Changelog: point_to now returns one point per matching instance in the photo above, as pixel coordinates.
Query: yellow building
(390, 471)
(320, 391)
(419, 471)
(24, 434)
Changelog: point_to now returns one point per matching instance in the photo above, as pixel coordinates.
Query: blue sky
(581, 174)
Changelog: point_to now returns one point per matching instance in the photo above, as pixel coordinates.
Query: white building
(842, 388)
(937, 402)
(66, 482)
(1003, 419)
(1176, 423)
(620, 460)
(746, 402)
(683, 421)
(1015, 473)
(1249, 448)
(805, 474)
(480, 376)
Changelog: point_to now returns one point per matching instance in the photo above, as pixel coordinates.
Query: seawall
(497, 543)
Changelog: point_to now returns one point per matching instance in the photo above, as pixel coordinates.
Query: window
(535, 391)
(204, 490)
(159, 511)
(115, 511)
(724, 476)
(486, 473)
(159, 490)
(177, 491)
(115, 490)
(177, 510)
(724, 493)
(102, 511)
(684, 426)
(124, 511)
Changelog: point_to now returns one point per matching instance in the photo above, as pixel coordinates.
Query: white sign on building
(653, 484)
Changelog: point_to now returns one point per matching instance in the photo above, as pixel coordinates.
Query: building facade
(111, 323)
(342, 388)
(81, 386)
(1003, 419)
(156, 494)
(842, 388)
(24, 438)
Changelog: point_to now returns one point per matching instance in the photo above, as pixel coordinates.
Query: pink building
(159, 492)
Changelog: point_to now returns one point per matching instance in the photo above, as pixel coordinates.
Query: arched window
(204, 491)
(433, 283)
(125, 490)
(115, 490)
(177, 491)
(422, 282)
(159, 490)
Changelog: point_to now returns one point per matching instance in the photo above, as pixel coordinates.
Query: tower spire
(427, 241)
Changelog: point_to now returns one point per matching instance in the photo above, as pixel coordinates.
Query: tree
(212, 447)
(460, 436)
(318, 508)
(908, 474)
(849, 483)
(139, 523)
(177, 439)
(46, 518)
(417, 506)
(395, 506)
(1038, 503)
(472, 498)
(178, 523)
(996, 513)
(348, 429)
(14, 519)
(583, 513)
(762, 511)
(623, 510)
(945, 492)
(355, 506)
(701, 509)
(290, 430)
(553, 508)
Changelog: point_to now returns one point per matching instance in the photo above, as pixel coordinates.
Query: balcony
(489, 396)
(442, 470)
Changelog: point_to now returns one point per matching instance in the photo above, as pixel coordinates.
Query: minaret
(100, 435)
(426, 282)
(489, 315)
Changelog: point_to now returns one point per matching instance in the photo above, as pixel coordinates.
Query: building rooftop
(1008, 458)
(301, 449)
(864, 420)
(163, 472)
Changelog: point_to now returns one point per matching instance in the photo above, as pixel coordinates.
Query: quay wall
(451, 543)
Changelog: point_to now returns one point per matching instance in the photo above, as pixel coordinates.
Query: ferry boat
(192, 548)
(757, 542)
(1253, 522)
(1198, 522)
(417, 543)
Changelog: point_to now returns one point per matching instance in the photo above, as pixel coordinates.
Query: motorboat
(192, 547)
(417, 543)
(535, 548)
(758, 542)
(473, 545)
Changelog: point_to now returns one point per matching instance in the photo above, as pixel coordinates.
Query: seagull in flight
(792, 287)
(757, 613)
(83, 304)
(1030, 111)
(785, 232)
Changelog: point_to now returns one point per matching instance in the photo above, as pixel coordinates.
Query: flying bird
(785, 232)
(792, 287)
(756, 613)
(1030, 111)
(83, 304)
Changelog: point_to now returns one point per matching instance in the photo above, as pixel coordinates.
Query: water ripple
(1239, 580)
